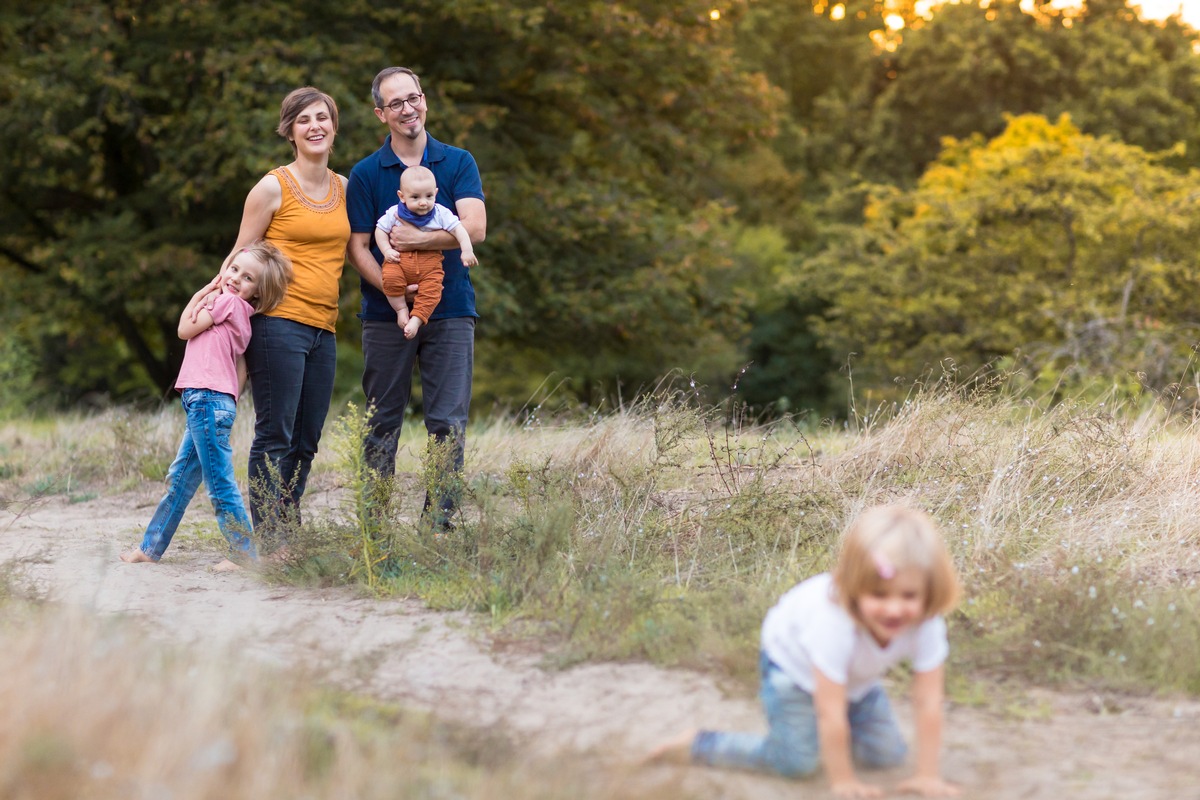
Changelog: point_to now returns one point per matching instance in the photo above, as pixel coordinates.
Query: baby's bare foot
(137, 557)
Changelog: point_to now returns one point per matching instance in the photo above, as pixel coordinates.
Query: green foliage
(135, 129)
(1065, 248)
(655, 178)
(1115, 74)
(17, 375)
(828, 70)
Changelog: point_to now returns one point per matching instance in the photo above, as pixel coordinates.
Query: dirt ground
(1066, 746)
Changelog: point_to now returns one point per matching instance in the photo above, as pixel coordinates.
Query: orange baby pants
(422, 267)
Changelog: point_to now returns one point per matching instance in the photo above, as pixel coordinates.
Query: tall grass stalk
(366, 495)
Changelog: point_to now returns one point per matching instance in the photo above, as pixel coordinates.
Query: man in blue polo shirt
(445, 347)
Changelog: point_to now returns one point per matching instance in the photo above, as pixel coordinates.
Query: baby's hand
(391, 255)
(929, 787)
(855, 788)
(469, 259)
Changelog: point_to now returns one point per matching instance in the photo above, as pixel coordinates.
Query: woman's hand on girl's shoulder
(205, 298)
(928, 787)
(215, 283)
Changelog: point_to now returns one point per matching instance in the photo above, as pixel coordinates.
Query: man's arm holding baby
(471, 212)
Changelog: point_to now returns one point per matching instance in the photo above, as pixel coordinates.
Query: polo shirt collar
(434, 151)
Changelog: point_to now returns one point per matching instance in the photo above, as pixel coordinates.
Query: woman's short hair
(296, 101)
(885, 540)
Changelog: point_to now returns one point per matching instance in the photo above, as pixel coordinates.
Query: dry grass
(92, 709)
(664, 532)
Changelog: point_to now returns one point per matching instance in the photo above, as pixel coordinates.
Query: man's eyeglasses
(396, 106)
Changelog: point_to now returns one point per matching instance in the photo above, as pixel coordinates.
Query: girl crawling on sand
(826, 644)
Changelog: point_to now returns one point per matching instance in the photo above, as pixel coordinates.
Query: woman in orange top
(291, 358)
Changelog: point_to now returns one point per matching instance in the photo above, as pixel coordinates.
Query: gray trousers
(444, 351)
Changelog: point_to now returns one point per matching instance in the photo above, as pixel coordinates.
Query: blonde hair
(886, 539)
(272, 283)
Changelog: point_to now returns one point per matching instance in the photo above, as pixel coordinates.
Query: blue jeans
(291, 367)
(204, 454)
(445, 351)
(791, 746)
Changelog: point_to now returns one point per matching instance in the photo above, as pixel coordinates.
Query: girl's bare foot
(136, 556)
(673, 751)
(227, 566)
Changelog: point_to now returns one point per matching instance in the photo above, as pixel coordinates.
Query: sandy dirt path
(1075, 746)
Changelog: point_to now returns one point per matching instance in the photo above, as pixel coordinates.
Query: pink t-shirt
(210, 360)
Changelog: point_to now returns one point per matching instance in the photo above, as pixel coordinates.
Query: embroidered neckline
(335, 191)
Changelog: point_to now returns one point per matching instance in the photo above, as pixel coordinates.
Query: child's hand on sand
(928, 787)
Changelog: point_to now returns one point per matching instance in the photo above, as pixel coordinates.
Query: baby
(418, 205)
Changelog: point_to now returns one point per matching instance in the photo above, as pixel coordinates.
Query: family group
(407, 219)
(270, 315)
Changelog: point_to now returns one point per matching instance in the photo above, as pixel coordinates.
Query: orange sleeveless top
(313, 234)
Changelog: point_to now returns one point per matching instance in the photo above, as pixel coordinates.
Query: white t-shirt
(443, 219)
(807, 628)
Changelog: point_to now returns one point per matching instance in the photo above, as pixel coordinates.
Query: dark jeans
(291, 367)
(445, 351)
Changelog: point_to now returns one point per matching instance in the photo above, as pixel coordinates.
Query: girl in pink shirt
(254, 280)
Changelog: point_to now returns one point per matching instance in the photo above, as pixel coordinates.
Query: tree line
(687, 186)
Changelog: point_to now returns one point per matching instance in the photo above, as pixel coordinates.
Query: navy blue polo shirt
(372, 190)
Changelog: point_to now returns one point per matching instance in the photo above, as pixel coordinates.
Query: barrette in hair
(884, 567)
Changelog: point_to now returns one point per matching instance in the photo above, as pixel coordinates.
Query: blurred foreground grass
(90, 708)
